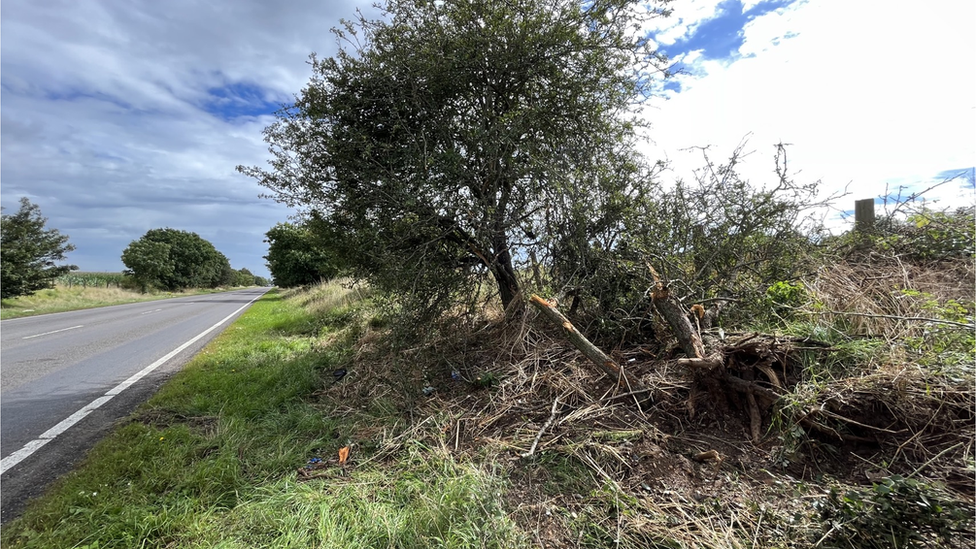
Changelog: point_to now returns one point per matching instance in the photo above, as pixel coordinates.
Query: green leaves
(28, 252)
(174, 260)
(432, 144)
(297, 257)
(896, 512)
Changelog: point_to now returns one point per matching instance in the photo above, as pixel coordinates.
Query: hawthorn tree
(148, 263)
(439, 140)
(28, 252)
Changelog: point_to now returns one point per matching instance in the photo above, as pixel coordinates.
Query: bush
(719, 237)
(927, 234)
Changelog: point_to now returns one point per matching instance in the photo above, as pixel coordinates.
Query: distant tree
(297, 256)
(174, 260)
(148, 263)
(244, 277)
(432, 147)
(227, 275)
(28, 252)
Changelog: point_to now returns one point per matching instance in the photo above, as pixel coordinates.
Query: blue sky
(136, 118)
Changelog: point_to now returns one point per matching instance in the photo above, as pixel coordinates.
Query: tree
(296, 257)
(226, 275)
(149, 263)
(432, 146)
(244, 277)
(28, 252)
(174, 260)
(718, 239)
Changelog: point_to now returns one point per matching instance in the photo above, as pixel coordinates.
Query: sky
(120, 117)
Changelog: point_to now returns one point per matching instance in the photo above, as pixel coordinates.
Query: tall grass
(95, 280)
(71, 298)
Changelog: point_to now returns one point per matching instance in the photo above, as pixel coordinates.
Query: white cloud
(104, 120)
(868, 94)
(685, 18)
(105, 123)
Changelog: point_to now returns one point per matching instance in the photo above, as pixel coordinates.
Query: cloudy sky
(120, 117)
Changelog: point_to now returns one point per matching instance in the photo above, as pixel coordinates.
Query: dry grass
(323, 298)
(589, 468)
(885, 296)
(69, 298)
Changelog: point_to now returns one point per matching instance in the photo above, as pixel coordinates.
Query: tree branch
(596, 356)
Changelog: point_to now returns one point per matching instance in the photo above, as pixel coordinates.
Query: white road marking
(55, 331)
(65, 424)
(150, 312)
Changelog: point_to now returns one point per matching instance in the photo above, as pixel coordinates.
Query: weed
(897, 512)
(784, 297)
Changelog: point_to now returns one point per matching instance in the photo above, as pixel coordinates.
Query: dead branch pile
(671, 433)
(888, 297)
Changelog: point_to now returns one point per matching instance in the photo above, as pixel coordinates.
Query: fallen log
(591, 351)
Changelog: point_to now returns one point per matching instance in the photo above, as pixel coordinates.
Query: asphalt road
(67, 378)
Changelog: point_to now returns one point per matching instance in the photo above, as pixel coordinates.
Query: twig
(624, 395)
(710, 362)
(894, 317)
(828, 413)
(538, 436)
(937, 456)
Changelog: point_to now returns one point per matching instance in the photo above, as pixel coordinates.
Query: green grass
(212, 460)
(220, 457)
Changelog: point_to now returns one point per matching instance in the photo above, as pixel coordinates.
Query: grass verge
(235, 452)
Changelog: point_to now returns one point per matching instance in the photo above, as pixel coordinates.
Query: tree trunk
(677, 319)
(503, 272)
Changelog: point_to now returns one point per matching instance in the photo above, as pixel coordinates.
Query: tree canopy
(29, 252)
(297, 257)
(173, 260)
(444, 140)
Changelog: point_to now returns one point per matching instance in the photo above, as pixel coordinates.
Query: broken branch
(538, 437)
(591, 351)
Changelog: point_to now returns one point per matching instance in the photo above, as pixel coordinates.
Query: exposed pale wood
(538, 436)
(710, 455)
(591, 351)
(677, 318)
(713, 360)
(773, 378)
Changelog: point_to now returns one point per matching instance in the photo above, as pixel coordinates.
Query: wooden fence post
(864, 215)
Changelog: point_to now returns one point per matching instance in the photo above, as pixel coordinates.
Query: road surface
(66, 378)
